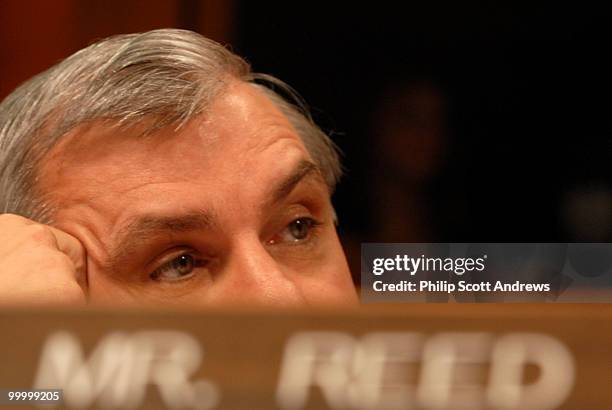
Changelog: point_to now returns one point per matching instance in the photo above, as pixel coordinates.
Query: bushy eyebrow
(140, 227)
(303, 169)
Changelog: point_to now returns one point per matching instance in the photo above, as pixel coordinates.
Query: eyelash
(312, 225)
(173, 264)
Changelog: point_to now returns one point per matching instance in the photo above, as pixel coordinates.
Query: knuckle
(68, 293)
(59, 261)
(40, 234)
(12, 219)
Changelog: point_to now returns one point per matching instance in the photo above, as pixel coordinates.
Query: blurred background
(459, 121)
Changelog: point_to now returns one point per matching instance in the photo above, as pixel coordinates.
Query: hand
(40, 265)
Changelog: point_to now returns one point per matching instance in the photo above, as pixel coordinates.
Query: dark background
(505, 110)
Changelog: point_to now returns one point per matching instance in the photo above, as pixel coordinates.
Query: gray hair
(165, 77)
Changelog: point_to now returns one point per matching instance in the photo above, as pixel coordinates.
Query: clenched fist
(40, 264)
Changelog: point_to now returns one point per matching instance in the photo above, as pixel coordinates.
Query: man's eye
(179, 268)
(298, 230)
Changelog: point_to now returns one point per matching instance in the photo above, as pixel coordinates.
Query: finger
(72, 247)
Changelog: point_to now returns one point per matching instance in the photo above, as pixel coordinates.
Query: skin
(234, 191)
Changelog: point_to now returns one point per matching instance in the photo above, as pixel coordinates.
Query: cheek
(340, 293)
(104, 291)
(330, 281)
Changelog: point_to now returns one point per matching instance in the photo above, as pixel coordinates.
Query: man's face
(230, 209)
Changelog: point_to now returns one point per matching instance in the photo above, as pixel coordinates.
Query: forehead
(239, 125)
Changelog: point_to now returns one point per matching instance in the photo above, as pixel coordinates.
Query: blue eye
(298, 230)
(179, 268)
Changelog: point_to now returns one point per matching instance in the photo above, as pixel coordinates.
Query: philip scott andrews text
(461, 286)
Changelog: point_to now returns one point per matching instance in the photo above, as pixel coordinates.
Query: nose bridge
(253, 276)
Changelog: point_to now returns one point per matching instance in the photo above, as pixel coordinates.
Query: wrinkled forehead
(239, 125)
